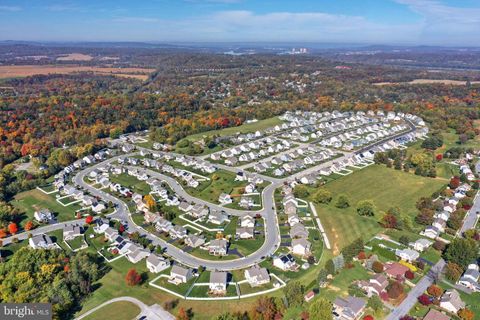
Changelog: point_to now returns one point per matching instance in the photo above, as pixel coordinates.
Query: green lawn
(471, 300)
(131, 182)
(222, 182)
(76, 243)
(244, 128)
(122, 310)
(30, 201)
(345, 278)
(385, 186)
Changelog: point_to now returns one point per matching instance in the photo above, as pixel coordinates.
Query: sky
(402, 22)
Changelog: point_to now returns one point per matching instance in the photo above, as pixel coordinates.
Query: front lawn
(121, 310)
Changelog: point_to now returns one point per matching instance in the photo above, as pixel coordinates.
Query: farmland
(30, 70)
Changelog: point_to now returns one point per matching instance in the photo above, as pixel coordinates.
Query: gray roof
(218, 277)
(154, 259)
(181, 271)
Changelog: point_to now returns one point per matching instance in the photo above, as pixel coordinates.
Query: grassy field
(222, 182)
(113, 285)
(244, 128)
(385, 186)
(121, 310)
(131, 182)
(341, 282)
(33, 200)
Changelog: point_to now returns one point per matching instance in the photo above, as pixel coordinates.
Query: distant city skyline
(403, 22)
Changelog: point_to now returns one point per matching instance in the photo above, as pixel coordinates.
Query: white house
(407, 254)
(218, 282)
(301, 246)
(451, 301)
(470, 278)
(180, 275)
(285, 262)
(42, 241)
(420, 244)
(156, 264)
(247, 221)
(257, 276)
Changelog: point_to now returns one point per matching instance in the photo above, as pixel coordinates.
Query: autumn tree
(466, 314)
(150, 202)
(377, 267)
(183, 314)
(29, 225)
(394, 290)
(12, 228)
(424, 299)
(89, 219)
(453, 271)
(133, 278)
(264, 308)
(435, 291)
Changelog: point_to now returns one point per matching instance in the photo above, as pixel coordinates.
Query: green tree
(366, 208)
(301, 191)
(322, 196)
(342, 202)
(375, 303)
(294, 293)
(320, 309)
(461, 251)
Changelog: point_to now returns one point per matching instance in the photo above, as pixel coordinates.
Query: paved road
(416, 291)
(272, 232)
(154, 312)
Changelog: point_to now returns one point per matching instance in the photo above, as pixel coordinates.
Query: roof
(435, 315)
(218, 277)
(181, 271)
(353, 303)
(395, 269)
(155, 260)
(453, 297)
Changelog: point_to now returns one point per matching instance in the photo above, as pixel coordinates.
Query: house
(101, 224)
(395, 270)
(218, 247)
(309, 296)
(43, 215)
(184, 206)
(42, 241)
(451, 301)
(430, 232)
(247, 221)
(178, 232)
(110, 234)
(421, 244)
(293, 219)
(136, 254)
(301, 247)
(257, 276)
(72, 231)
(180, 275)
(245, 233)
(217, 217)
(290, 208)
(194, 241)
(408, 255)
(156, 264)
(439, 224)
(198, 211)
(98, 207)
(376, 285)
(225, 198)
(349, 308)
(298, 231)
(435, 315)
(285, 262)
(250, 188)
(470, 278)
(218, 282)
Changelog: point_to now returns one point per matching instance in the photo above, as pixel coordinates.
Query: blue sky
(430, 22)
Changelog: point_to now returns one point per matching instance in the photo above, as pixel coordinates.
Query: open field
(385, 186)
(75, 57)
(244, 128)
(428, 81)
(121, 310)
(33, 200)
(222, 182)
(30, 70)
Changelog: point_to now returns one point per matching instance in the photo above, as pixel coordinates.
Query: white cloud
(10, 8)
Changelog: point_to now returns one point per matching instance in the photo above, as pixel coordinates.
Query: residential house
(101, 225)
(245, 233)
(71, 232)
(225, 198)
(180, 274)
(257, 276)
(217, 217)
(42, 241)
(218, 247)
(285, 262)
(43, 215)
(376, 285)
(421, 244)
(290, 208)
(408, 255)
(194, 241)
(136, 254)
(298, 231)
(301, 246)
(178, 232)
(435, 315)
(349, 308)
(156, 264)
(198, 211)
(218, 282)
(247, 221)
(395, 270)
(470, 278)
(110, 234)
(451, 301)
(293, 219)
